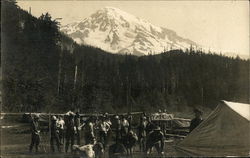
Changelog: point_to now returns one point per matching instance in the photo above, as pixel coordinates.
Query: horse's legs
(130, 151)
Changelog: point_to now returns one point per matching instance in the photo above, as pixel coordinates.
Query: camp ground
(124, 78)
(15, 128)
(225, 132)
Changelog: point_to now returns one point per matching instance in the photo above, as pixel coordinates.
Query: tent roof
(240, 108)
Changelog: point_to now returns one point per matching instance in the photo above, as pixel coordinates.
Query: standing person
(104, 127)
(143, 133)
(69, 135)
(124, 129)
(155, 139)
(159, 122)
(109, 131)
(124, 126)
(197, 120)
(167, 123)
(130, 119)
(89, 132)
(77, 127)
(117, 128)
(142, 116)
(35, 133)
(150, 126)
(54, 134)
(60, 125)
(108, 121)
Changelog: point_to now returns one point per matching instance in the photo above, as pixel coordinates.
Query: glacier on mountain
(116, 31)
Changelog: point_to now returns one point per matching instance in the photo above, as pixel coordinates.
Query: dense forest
(44, 70)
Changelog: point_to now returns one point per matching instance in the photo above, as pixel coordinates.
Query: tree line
(44, 70)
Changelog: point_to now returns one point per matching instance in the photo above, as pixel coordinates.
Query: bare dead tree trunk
(75, 78)
(59, 71)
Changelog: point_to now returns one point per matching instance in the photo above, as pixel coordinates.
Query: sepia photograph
(124, 78)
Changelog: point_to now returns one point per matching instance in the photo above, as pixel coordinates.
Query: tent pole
(49, 130)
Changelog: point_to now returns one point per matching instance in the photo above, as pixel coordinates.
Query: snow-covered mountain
(116, 31)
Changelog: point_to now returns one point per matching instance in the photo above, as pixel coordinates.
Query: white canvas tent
(226, 132)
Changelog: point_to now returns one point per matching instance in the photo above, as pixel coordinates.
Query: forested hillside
(45, 70)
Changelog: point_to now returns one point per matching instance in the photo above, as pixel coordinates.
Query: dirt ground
(15, 140)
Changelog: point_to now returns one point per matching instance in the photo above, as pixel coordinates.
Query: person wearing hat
(89, 131)
(35, 133)
(54, 134)
(77, 127)
(142, 133)
(124, 127)
(60, 125)
(150, 126)
(70, 133)
(104, 127)
(130, 119)
(155, 139)
(197, 120)
(117, 127)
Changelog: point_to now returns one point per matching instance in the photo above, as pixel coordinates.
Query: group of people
(65, 131)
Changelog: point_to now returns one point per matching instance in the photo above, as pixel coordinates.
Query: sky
(222, 26)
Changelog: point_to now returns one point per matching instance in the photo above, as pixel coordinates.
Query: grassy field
(15, 140)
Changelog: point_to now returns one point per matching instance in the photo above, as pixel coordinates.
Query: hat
(116, 117)
(144, 118)
(129, 117)
(71, 114)
(198, 111)
(36, 116)
(105, 114)
(54, 118)
(102, 117)
(77, 114)
(157, 128)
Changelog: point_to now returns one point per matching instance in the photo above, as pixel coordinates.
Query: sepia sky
(222, 26)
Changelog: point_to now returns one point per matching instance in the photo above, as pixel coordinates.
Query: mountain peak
(115, 11)
(116, 31)
(116, 14)
(109, 8)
